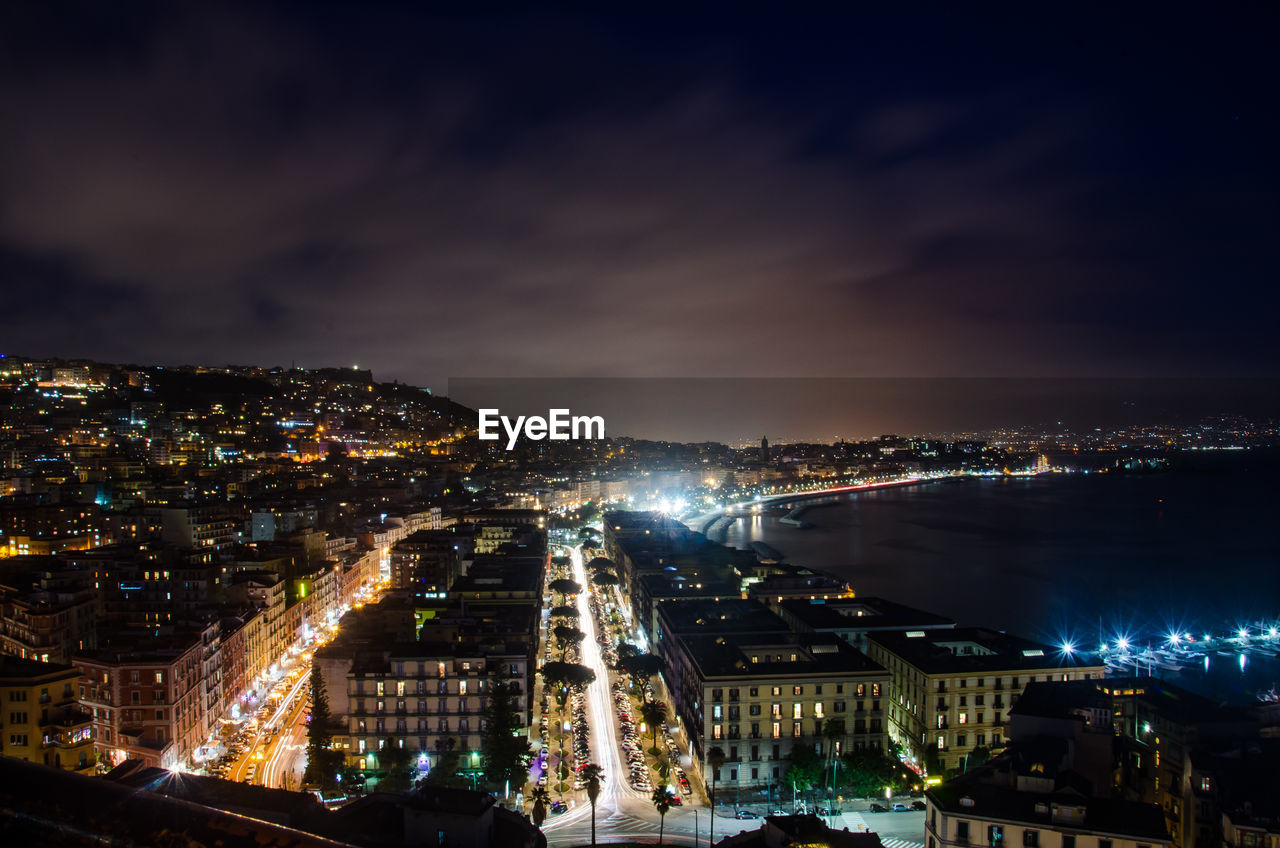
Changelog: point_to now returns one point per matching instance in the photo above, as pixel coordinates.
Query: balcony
(64, 740)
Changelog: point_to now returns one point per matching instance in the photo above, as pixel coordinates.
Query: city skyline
(539, 426)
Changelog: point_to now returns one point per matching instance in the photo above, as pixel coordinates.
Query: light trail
(287, 717)
(601, 717)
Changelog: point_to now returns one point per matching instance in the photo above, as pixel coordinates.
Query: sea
(1067, 558)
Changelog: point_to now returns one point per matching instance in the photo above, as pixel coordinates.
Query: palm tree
(662, 803)
(592, 774)
(715, 759)
(654, 714)
(540, 800)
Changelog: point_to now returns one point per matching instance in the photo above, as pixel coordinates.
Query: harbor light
(1122, 643)
(1068, 648)
(1243, 634)
(1271, 633)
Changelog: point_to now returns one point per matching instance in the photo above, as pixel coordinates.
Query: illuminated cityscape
(824, 426)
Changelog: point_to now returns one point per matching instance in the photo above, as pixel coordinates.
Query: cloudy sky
(774, 190)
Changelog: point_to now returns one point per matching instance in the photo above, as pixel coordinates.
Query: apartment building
(149, 695)
(951, 689)
(421, 695)
(41, 720)
(740, 680)
(48, 626)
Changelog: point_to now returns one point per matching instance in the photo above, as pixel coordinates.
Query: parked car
(917, 805)
(900, 807)
(746, 814)
(878, 808)
(558, 807)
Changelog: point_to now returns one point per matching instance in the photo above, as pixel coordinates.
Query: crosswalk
(856, 822)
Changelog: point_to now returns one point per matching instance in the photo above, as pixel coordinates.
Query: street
(624, 814)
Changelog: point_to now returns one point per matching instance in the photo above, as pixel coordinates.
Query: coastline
(714, 525)
(1060, 557)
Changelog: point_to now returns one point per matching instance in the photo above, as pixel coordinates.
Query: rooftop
(1064, 700)
(971, 649)
(781, 656)
(860, 614)
(18, 670)
(733, 615)
(966, 796)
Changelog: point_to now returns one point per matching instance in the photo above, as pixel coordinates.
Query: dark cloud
(547, 195)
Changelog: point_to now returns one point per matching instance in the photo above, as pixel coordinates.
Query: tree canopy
(654, 714)
(565, 586)
(567, 636)
(867, 773)
(805, 770)
(447, 770)
(398, 765)
(640, 667)
(573, 675)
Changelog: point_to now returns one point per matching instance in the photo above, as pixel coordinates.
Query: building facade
(41, 720)
(950, 690)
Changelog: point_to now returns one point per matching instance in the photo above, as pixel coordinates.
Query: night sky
(764, 190)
